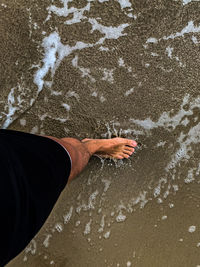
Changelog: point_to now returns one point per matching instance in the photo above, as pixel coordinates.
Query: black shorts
(33, 172)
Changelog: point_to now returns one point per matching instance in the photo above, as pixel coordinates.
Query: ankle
(91, 147)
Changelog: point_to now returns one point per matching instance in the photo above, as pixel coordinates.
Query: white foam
(25, 258)
(58, 227)
(65, 12)
(88, 227)
(68, 216)
(185, 141)
(147, 124)
(121, 62)
(103, 48)
(107, 75)
(185, 121)
(85, 72)
(120, 217)
(192, 229)
(128, 92)
(106, 235)
(165, 119)
(95, 94)
(152, 40)
(124, 3)
(102, 99)
(91, 203)
(190, 28)
(109, 31)
(154, 54)
(72, 94)
(185, 2)
(198, 170)
(12, 106)
(66, 106)
(22, 122)
(190, 177)
(102, 224)
(107, 184)
(175, 187)
(32, 247)
(161, 144)
(55, 51)
(78, 223)
(35, 130)
(46, 241)
(194, 39)
(169, 51)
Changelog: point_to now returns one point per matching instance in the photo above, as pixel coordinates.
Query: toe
(124, 155)
(128, 152)
(128, 148)
(119, 157)
(131, 143)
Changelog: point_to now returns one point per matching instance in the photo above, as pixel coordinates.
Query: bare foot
(117, 148)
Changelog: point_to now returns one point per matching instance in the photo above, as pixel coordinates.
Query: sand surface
(100, 69)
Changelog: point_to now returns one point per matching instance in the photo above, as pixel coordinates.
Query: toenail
(134, 143)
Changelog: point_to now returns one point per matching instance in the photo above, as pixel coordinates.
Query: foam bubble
(32, 247)
(59, 227)
(46, 241)
(23, 122)
(190, 177)
(169, 51)
(106, 235)
(128, 92)
(192, 229)
(121, 62)
(106, 184)
(88, 227)
(66, 106)
(194, 39)
(68, 216)
(124, 3)
(121, 217)
(152, 40)
(102, 224)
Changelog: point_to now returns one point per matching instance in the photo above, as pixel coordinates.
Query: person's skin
(81, 151)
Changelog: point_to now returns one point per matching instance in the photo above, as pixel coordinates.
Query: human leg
(81, 151)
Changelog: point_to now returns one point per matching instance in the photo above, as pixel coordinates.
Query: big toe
(132, 143)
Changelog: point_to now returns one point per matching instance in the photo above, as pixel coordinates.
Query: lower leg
(78, 152)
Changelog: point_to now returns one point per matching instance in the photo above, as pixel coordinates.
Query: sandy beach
(101, 69)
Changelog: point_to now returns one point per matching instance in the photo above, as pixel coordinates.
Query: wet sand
(99, 70)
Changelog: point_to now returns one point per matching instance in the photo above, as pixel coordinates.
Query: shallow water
(101, 69)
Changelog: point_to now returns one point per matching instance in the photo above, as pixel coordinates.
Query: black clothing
(33, 172)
